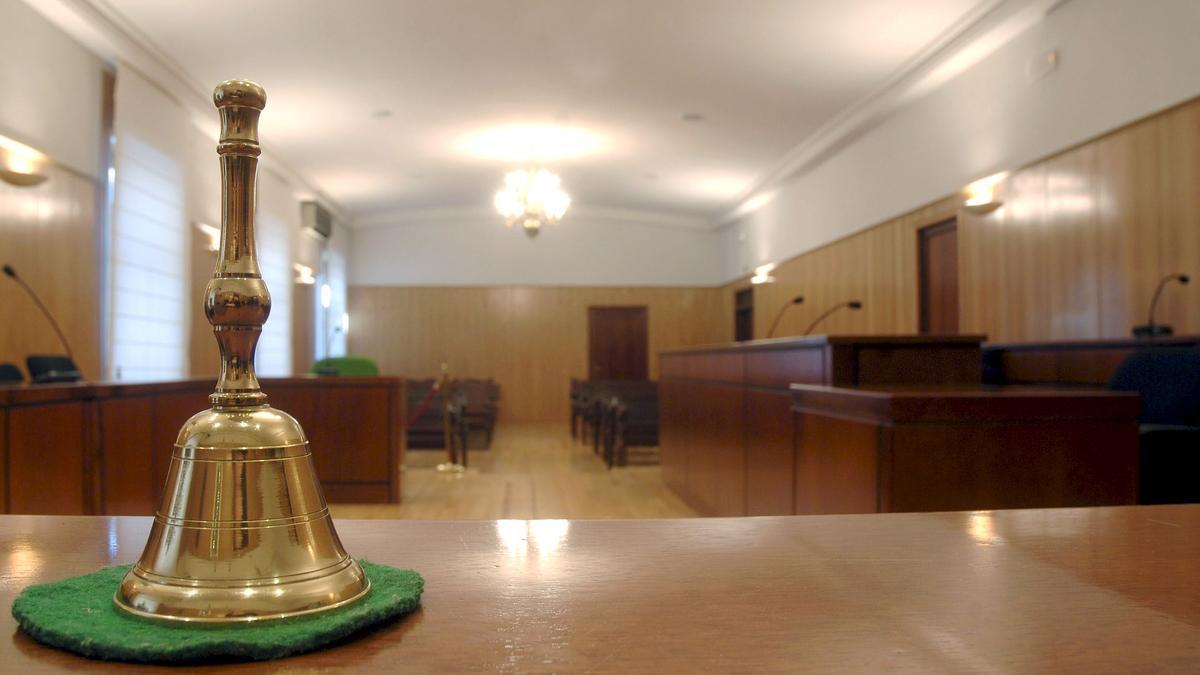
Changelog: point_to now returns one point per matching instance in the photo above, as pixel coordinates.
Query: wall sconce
(345, 323)
(214, 236)
(981, 195)
(762, 274)
(304, 274)
(326, 296)
(20, 165)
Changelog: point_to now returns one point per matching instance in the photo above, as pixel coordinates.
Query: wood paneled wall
(532, 340)
(877, 267)
(1084, 237)
(1074, 253)
(48, 234)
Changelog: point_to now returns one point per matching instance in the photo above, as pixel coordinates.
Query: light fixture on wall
(326, 296)
(304, 274)
(981, 194)
(762, 274)
(214, 235)
(20, 165)
(531, 197)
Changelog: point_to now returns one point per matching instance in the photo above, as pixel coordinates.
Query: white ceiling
(765, 75)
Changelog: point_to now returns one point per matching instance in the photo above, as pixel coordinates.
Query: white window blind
(277, 219)
(148, 266)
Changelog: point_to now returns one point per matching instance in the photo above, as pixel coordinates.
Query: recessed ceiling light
(691, 117)
(382, 113)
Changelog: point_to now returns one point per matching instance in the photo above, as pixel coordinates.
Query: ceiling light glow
(530, 143)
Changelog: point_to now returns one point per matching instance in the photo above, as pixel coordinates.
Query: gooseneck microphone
(1151, 329)
(12, 273)
(852, 304)
(783, 310)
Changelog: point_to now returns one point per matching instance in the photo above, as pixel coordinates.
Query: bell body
(243, 532)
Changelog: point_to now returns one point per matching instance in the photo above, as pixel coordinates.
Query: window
(148, 240)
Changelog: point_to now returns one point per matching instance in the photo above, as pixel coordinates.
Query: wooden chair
(460, 429)
(423, 415)
(577, 404)
(480, 409)
(632, 420)
(636, 424)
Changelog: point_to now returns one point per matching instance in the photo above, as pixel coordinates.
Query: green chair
(345, 365)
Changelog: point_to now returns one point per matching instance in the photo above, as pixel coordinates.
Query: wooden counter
(1059, 590)
(1078, 363)
(862, 451)
(725, 428)
(105, 447)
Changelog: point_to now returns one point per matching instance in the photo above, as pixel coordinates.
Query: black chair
(10, 374)
(46, 369)
(1168, 379)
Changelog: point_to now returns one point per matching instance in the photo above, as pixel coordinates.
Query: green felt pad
(78, 615)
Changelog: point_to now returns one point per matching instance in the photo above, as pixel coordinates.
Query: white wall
(50, 90)
(582, 250)
(1120, 60)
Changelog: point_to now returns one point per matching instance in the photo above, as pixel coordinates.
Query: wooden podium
(726, 411)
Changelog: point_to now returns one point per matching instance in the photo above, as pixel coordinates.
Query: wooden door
(617, 343)
(938, 253)
(743, 315)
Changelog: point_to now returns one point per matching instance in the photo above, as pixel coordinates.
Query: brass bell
(243, 532)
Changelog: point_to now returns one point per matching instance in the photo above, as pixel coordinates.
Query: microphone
(12, 273)
(1151, 329)
(853, 304)
(782, 310)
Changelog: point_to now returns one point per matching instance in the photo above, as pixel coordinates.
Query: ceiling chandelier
(532, 197)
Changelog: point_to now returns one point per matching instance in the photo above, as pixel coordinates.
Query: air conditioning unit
(316, 219)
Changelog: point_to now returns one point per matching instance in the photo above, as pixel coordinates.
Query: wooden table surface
(1057, 590)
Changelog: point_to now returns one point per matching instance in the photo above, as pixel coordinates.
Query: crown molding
(101, 28)
(461, 214)
(977, 34)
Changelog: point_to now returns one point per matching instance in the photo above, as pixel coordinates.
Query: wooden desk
(725, 429)
(864, 451)
(105, 447)
(1080, 363)
(1059, 590)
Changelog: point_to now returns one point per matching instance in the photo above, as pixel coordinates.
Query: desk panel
(50, 455)
(770, 461)
(863, 450)
(106, 447)
(129, 462)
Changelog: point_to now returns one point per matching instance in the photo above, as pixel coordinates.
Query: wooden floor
(531, 471)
